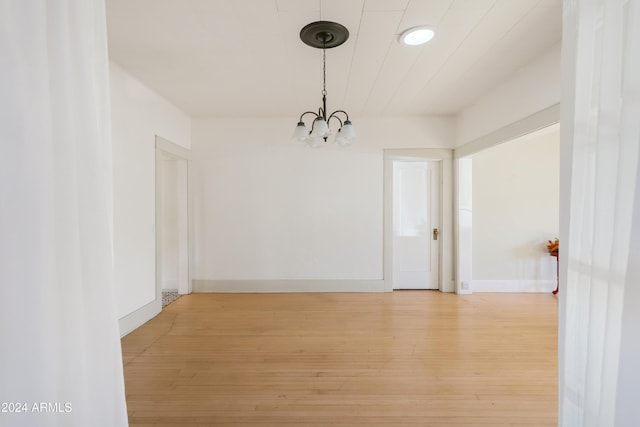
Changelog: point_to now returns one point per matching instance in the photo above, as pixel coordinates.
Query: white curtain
(60, 359)
(600, 216)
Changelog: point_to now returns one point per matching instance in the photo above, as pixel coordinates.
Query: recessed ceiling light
(416, 36)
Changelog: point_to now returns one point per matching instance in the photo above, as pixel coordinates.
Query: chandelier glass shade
(324, 35)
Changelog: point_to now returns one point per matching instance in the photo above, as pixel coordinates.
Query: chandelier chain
(324, 72)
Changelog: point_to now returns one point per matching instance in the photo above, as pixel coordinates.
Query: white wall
(532, 89)
(268, 208)
(138, 114)
(515, 211)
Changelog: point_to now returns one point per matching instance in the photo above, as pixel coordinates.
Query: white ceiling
(245, 57)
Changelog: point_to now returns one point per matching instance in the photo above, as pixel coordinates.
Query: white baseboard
(139, 317)
(532, 286)
(272, 286)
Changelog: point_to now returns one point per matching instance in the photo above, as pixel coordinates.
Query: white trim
(540, 120)
(520, 286)
(166, 148)
(139, 317)
(273, 286)
(175, 150)
(535, 122)
(463, 247)
(445, 156)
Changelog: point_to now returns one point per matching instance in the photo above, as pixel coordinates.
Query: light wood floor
(408, 358)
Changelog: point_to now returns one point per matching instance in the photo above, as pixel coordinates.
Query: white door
(416, 224)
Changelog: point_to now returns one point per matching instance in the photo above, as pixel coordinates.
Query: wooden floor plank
(403, 358)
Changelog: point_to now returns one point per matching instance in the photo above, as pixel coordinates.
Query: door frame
(542, 119)
(445, 157)
(166, 149)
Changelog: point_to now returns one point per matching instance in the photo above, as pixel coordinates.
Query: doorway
(172, 221)
(507, 210)
(417, 219)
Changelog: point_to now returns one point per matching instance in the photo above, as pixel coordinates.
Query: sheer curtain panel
(60, 359)
(600, 214)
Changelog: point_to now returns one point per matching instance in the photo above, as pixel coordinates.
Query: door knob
(435, 234)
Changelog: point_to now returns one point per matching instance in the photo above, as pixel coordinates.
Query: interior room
(319, 212)
(267, 215)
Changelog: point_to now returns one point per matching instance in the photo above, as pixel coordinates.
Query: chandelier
(324, 35)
